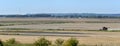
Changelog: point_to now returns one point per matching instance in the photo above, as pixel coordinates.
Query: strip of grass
(11, 23)
(14, 29)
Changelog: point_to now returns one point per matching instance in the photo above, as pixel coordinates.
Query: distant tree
(42, 42)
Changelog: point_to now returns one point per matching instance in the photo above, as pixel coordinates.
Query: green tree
(59, 42)
(42, 42)
(71, 42)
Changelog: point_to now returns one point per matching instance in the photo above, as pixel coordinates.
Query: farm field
(67, 26)
(87, 31)
(58, 23)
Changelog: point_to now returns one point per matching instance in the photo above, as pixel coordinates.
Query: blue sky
(59, 6)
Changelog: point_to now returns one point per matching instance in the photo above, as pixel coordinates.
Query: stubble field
(82, 25)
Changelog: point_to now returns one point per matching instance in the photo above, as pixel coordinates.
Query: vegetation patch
(14, 29)
(45, 42)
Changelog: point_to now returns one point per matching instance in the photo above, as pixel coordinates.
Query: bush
(11, 41)
(42, 42)
(71, 42)
(59, 42)
(1, 44)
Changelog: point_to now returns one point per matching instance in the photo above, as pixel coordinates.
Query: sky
(59, 6)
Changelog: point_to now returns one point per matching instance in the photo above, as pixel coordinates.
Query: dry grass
(83, 40)
(92, 38)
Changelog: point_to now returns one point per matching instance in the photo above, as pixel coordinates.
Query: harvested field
(59, 23)
(41, 24)
(69, 26)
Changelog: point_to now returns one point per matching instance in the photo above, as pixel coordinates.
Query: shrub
(1, 44)
(59, 42)
(42, 42)
(71, 42)
(11, 41)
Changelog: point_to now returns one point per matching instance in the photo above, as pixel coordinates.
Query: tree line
(65, 15)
